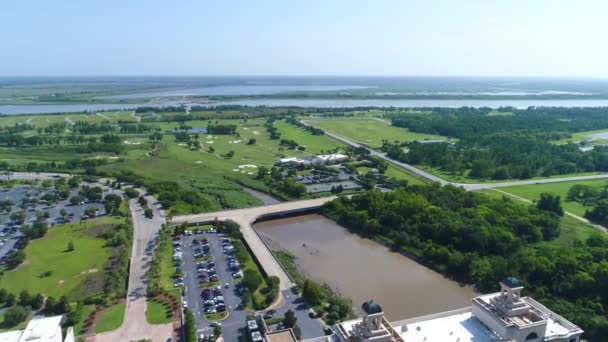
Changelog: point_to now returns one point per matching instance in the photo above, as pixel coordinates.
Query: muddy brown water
(361, 269)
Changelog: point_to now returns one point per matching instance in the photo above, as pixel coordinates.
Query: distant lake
(346, 103)
(409, 103)
(236, 90)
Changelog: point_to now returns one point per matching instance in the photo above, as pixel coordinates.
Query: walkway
(135, 326)
(245, 218)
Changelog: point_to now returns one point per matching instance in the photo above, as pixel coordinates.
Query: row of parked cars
(178, 277)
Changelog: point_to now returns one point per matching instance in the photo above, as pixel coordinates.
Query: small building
(40, 329)
(501, 316)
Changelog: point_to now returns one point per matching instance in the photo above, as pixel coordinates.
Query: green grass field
(216, 175)
(69, 270)
(533, 191)
(158, 313)
(111, 319)
(370, 131)
(315, 144)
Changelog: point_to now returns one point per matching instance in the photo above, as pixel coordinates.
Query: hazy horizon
(386, 38)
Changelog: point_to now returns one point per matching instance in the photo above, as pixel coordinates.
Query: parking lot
(198, 299)
(216, 268)
(26, 198)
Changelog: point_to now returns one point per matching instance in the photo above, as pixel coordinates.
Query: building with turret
(504, 316)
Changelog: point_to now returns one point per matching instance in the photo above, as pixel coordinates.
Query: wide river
(361, 269)
(326, 103)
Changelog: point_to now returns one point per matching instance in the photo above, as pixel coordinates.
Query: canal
(361, 269)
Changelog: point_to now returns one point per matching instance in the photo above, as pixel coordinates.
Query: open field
(111, 319)
(532, 192)
(314, 143)
(371, 131)
(69, 270)
(123, 116)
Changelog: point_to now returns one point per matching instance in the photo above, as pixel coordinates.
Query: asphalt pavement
(233, 327)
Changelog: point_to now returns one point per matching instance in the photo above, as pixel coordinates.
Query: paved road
(135, 326)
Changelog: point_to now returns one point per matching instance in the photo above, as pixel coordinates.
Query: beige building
(504, 316)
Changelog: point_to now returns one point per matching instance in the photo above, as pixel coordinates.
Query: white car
(185, 305)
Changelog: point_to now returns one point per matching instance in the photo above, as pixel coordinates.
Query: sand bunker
(250, 166)
(234, 141)
(127, 142)
(256, 132)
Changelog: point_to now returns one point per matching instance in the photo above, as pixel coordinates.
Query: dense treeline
(478, 240)
(221, 129)
(514, 145)
(313, 130)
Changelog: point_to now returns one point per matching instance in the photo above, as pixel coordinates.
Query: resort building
(504, 316)
(43, 329)
(322, 159)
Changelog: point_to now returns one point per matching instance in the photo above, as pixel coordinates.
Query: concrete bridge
(246, 217)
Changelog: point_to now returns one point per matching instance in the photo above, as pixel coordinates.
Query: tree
(91, 212)
(15, 315)
(49, 305)
(252, 280)
(312, 292)
(251, 141)
(290, 319)
(262, 172)
(149, 213)
(37, 301)
(24, 298)
(550, 202)
(70, 247)
(77, 199)
(190, 327)
(15, 259)
(142, 201)
(131, 193)
(10, 299)
(63, 212)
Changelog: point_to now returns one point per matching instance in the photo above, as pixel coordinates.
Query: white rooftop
(458, 325)
(10, 336)
(44, 329)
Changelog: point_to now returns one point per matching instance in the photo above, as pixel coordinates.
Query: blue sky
(313, 37)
